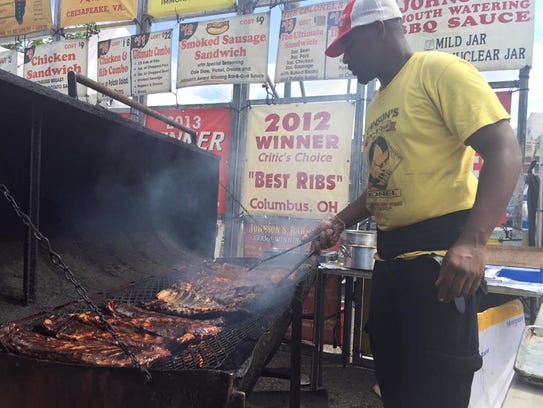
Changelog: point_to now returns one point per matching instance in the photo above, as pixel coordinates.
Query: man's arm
(330, 230)
(463, 266)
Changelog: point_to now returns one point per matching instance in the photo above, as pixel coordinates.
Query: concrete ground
(342, 387)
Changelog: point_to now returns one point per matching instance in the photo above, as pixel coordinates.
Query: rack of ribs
(15, 339)
(179, 329)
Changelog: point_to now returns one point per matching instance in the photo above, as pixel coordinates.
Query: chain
(56, 260)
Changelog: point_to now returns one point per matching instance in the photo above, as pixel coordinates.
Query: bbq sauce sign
(297, 159)
(495, 35)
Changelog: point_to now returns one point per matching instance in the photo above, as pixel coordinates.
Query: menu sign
(49, 64)
(305, 33)
(136, 65)
(227, 51)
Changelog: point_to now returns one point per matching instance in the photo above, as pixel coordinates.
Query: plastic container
(522, 274)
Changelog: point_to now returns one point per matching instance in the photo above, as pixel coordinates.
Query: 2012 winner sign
(297, 159)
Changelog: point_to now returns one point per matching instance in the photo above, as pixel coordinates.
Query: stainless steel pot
(358, 248)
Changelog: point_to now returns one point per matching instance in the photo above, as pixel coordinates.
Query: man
(432, 111)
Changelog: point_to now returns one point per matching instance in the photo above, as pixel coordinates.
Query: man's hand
(461, 272)
(327, 233)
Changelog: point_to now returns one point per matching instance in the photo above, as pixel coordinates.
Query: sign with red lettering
(297, 159)
(226, 51)
(213, 134)
(78, 12)
(305, 33)
(492, 35)
(49, 64)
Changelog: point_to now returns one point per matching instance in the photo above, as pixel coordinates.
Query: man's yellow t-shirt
(419, 166)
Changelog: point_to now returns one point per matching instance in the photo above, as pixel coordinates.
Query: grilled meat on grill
(196, 300)
(15, 339)
(181, 330)
(74, 328)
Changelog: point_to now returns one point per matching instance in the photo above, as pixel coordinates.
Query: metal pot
(357, 237)
(358, 248)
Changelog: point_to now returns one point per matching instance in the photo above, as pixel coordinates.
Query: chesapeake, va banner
(49, 64)
(297, 159)
(227, 51)
(76, 12)
(492, 35)
(164, 8)
(136, 65)
(24, 16)
(304, 34)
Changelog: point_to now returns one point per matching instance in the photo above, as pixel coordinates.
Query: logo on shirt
(383, 160)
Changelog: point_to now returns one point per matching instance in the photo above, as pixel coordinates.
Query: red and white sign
(213, 134)
(297, 159)
(49, 64)
(492, 35)
(226, 51)
(304, 35)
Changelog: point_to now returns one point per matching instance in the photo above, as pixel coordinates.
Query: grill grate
(210, 353)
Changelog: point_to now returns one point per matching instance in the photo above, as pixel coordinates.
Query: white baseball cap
(359, 13)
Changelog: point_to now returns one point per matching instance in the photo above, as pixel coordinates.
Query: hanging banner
(304, 34)
(213, 134)
(77, 12)
(151, 55)
(8, 61)
(297, 159)
(136, 65)
(228, 51)
(49, 64)
(495, 35)
(23, 17)
(164, 8)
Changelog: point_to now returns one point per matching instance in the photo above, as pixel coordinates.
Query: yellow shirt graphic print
(382, 162)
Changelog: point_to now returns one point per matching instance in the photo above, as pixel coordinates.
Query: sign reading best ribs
(492, 35)
(297, 159)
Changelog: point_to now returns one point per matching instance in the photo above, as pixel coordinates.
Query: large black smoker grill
(123, 202)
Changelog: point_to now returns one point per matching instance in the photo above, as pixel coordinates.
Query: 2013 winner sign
(492, 35)
(297, 159)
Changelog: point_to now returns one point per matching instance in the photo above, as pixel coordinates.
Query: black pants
(425, 351)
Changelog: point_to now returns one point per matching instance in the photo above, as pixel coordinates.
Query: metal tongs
(302, 243)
